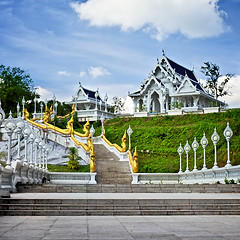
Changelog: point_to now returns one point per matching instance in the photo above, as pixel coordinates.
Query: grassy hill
(158, 138)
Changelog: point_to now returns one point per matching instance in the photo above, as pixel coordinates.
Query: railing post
(32, 138)
(36, 151)
(20, 125)
(204, 143)
(26, 133)
(9, 126)
(228, 134)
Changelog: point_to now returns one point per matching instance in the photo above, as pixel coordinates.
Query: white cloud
(82, 74)
(97, 71)
(44, 93)
(63, 73)
(234, 87)
(159, 18)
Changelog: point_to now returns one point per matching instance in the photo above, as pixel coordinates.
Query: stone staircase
(126, 207)
(109, 169)
(129, 188)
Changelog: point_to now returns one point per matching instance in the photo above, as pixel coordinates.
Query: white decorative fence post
(40, 145)
(180, 151)
(215, 138)
(41, 107)
(31, 140)
(23, 103)
(19, 125)
(195, 146)
(204, 143)
(35, 106)
(36, 151)
(228, 134)
(26, 133)
(9, 126)
(187, 148)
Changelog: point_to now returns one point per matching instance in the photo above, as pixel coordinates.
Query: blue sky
(113, 45)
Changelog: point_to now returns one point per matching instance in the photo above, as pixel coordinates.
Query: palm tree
(73, 158)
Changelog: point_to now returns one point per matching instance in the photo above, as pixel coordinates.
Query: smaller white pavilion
(172, 89)
(89, 105)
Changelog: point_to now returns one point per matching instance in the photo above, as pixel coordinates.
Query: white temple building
(172, 89)
(89, 105)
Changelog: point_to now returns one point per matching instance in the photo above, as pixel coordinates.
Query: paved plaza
(119, 227)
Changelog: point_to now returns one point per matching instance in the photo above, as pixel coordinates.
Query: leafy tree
(14, 84)
(212, 72)
(73, 158)
(118, 104)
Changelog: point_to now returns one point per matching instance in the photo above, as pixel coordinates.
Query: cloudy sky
(113, 44)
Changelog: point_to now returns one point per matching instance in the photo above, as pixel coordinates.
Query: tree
(212, 72)
(14, 84)
(73, 158)
(118, 104)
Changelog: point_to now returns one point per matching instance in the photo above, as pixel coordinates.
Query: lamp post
(129, 132)
(204, 143)
(180, 151)
(105, 100)
(54, 100)
(9, 125)
(26, 133)
(35, 106)
(215, 138)
(18, 109)
(23, 103)
(102, 121)
(19, 127)
(96, 96)
(195, 146)
(92, 131)
(187, 148)
(228, 134)
(41, 106)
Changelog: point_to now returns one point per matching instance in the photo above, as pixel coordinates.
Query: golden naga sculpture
(85, 130)
(26, 114)
(92, 161)
(135, 161)
(123, 144)
(72, 113)
(70, 125)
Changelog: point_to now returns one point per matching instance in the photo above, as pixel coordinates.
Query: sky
(113, 45)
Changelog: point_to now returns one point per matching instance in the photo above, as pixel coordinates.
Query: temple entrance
(155, 104)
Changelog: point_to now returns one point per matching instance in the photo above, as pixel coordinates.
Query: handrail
(123, 144)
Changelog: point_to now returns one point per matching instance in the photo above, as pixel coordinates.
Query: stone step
(129, 188)
(80, 207)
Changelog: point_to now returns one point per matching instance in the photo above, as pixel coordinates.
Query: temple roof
(182, 70)
(91, 93)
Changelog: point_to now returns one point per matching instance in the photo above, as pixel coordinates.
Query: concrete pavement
(119, 227)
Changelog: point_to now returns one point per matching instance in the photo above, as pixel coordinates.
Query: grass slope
(158, 138)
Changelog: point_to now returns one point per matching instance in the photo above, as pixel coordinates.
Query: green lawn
(158, 138)
(62, 168)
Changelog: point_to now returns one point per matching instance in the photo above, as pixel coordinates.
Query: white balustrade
(204, 143)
